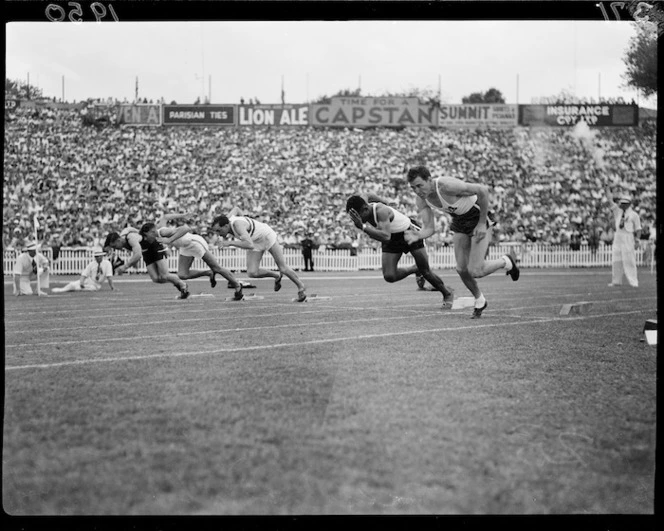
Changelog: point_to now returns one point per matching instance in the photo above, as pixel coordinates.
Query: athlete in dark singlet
(153, 255)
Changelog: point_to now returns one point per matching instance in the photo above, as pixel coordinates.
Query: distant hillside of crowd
(85, 181)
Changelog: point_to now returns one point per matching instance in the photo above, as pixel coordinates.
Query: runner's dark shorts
(398, 244)
(154, 252)
(466, 223)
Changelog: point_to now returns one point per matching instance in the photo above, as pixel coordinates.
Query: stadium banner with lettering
(273, 114)
(373, 112)
(139, 114)
(49, 104)
(569, 115)
(478, 115)
(198, 115)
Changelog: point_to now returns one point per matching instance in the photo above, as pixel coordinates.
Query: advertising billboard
(142, 114)
(478, 115)
(373, 112)
(569, 115)
(273, 115)
(199, 114)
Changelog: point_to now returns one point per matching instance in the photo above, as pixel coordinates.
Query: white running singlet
(461, 206)
(400, 222)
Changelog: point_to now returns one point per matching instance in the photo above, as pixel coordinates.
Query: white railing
(73, 261)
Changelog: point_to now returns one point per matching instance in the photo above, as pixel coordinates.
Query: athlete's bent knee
(476, 272)
(389, 277)
(252, 274)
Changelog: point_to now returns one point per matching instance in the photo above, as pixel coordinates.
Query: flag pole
(283, 94)
(36, 226)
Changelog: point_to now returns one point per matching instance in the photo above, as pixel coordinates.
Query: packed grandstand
(84, 178)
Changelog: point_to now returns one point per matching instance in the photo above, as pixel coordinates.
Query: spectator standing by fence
(625, 241)
(307, 251)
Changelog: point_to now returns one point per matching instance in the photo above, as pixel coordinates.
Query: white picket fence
(73, 261)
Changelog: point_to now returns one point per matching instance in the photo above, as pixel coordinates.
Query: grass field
(374, 401)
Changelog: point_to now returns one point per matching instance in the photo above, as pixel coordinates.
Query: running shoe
(213, 281)
(184, 293)
(514, 272)
(277, 282)
(448, 299)
(301, 296)
(419, 280)
(238, 296)
(477, 312)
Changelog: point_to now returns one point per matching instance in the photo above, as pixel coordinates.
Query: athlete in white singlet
(468, 205)
(191, 246)
(388, 226)
(256, 237)
(261, 234)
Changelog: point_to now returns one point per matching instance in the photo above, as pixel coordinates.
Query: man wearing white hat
(625, 240)
(30, 266)
(93, 276)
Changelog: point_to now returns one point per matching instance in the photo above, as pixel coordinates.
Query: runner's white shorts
(196, 246)
(265, 240)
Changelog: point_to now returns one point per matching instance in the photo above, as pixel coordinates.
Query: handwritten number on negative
(57, 13)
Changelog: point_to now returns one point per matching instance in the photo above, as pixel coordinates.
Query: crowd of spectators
(83, 182)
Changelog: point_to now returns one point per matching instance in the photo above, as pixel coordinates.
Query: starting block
(578, 308)
(313, 298)
(650, 330)
(196, 295)
(246, 298)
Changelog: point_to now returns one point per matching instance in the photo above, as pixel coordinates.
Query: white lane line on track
(218, 331)
(158, 303)
(151, 323)
(321, 308)
(228, 309)
(204, 305)
(526, 273)
(474, 326)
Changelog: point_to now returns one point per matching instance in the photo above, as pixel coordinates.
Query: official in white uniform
(627, 226)
(93, 276)
(31, 266)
